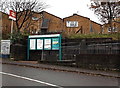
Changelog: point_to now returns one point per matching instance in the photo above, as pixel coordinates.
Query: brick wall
(33, 24)
(97, 28)
(82, 22)
(115, 25)
(6, 26)
(55, 23)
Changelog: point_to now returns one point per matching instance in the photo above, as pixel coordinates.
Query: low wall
(18, 52)
(44, 55)
(98, 61)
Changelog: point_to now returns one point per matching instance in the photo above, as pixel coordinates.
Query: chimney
(75, 14)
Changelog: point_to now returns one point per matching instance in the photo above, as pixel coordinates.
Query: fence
(100, 53)
(93, 54)
(108, 48)
(71, 49)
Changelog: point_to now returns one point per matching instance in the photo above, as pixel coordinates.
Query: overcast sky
(65, 8)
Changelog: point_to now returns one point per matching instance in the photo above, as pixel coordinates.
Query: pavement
(35, 64)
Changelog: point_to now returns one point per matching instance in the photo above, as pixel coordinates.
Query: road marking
(30, 79)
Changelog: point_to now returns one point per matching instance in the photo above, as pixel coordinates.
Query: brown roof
(76, 15)
(50, 14)
(82, 17)
(96, 23)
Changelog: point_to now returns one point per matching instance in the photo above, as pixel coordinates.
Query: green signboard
(55, 44)
(45, 42)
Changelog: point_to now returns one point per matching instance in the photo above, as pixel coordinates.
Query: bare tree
(4, 6)
(106, 11)
(24, 10)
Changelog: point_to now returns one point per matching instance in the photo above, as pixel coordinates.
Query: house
(78, 24)
(5, 26)
(115, 26)
(44, 22)
(51, 23)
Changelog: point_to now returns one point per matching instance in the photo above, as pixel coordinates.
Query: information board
(44, 42)
(5, 47)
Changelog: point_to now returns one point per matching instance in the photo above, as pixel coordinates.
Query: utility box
(5, 48)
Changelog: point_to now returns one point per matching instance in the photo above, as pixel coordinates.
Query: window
(113, 30)
(72, 23)
(109, 29)
(43, 31)
(45, 23)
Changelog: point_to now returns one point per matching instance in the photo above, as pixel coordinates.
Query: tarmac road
(25, 76)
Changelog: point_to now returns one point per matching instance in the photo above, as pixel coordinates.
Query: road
(25, 76)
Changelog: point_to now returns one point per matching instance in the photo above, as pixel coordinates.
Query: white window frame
(114, 29)
(71, 23)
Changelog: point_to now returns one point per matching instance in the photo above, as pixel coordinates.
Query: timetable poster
(47, 44)
(39, 44)
(32, 44)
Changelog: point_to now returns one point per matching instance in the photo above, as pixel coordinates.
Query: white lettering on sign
(72, 23)
(12, 15)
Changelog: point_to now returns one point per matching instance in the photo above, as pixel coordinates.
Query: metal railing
(103, 48)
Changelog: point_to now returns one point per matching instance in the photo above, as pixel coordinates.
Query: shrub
(115, 36)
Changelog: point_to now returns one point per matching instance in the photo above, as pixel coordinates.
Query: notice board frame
(52, 37)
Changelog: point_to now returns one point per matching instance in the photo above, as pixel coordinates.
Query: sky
(65, 8)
